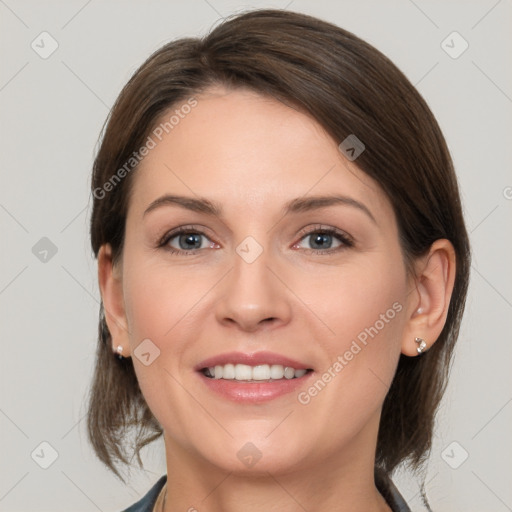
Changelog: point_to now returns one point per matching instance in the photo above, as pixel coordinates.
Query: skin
(251, 155)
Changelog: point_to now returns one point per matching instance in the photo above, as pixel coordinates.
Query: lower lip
(254, 392)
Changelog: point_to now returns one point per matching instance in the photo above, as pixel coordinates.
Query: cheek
(148, 300)
(157, 296)
(370, 342)
(370, 314)
(365, 309)
(366, 294)
(371, 306)
(159, 305)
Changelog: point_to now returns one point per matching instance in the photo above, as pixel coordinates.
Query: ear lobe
(111, 289)
(428, 307)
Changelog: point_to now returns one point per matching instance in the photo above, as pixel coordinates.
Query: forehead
(245, 150)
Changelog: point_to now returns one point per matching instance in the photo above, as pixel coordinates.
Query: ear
(428, 303)
(111, 288)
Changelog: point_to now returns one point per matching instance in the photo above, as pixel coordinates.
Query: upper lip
(254, 359)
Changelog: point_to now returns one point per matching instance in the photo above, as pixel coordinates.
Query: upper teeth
(259, 372)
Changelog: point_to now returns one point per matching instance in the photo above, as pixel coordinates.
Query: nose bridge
(252, 293)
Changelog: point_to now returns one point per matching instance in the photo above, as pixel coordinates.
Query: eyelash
(345, 239)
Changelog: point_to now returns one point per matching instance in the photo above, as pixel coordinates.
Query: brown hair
(349, 87)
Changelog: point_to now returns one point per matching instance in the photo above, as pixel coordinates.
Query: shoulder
(147, 502)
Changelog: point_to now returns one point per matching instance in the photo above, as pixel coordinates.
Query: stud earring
(119, 351)
(422, 345)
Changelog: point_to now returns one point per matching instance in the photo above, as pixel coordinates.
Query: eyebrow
(298, 205)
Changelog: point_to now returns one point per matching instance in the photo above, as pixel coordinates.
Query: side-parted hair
(348, 87)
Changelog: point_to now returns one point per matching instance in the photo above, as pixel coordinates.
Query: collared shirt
(388, 490)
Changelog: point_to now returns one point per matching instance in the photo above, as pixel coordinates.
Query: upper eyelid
(171, 233)
(331, 229)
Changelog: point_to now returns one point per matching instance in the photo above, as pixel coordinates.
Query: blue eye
(321, 240)
(190, 240)
(187, 240)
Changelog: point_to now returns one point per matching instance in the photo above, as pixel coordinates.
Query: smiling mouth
(257, 373)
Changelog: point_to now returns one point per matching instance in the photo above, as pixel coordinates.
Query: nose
(253, 295)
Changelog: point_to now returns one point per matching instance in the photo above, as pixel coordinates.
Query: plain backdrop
(52, 111)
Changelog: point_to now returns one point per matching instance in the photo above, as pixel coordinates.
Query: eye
(185, 240)
(321, 240)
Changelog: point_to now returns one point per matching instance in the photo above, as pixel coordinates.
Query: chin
(254, 456)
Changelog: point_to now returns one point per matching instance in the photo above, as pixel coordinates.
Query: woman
(283, 265)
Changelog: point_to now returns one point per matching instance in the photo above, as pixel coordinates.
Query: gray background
(52, 111)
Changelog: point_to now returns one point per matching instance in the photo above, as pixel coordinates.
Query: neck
(196, 485)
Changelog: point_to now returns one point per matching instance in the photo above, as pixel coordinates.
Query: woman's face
(280, 271)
